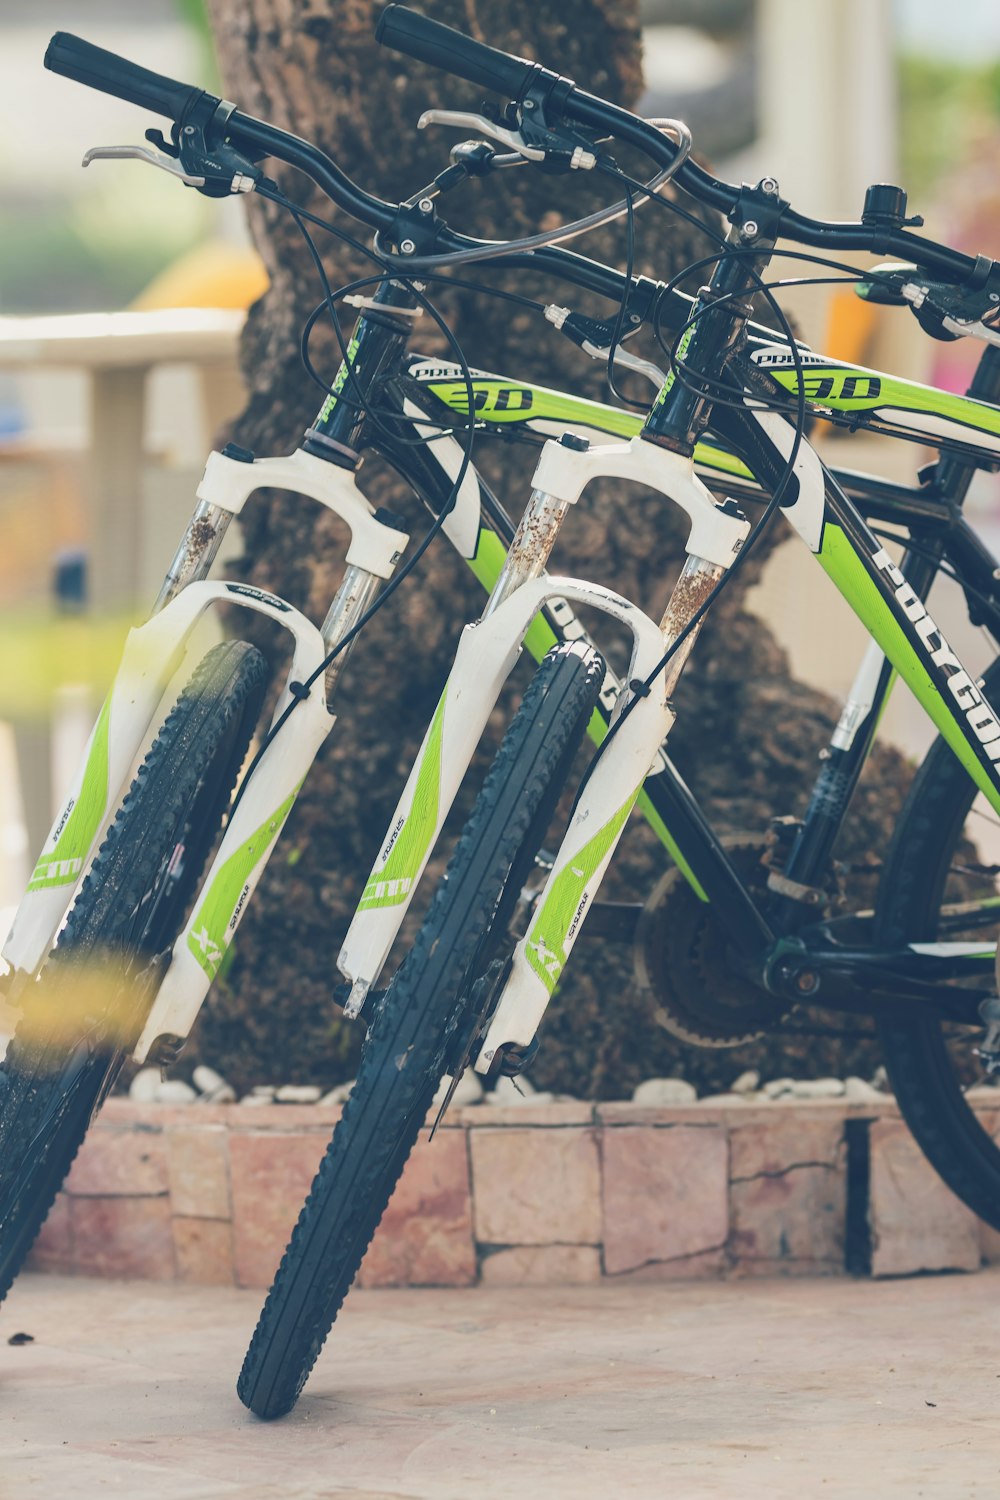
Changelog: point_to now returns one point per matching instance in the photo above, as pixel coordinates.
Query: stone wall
(524, 1194)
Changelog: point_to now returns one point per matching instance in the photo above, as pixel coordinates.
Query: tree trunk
(746, 736)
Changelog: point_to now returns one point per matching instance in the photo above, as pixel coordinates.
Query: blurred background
(105, 421)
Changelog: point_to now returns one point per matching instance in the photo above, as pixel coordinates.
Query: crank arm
(867, 980)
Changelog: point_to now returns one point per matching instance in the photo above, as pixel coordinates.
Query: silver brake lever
(963, 328)
(625, 357)
(142, 153)
(467, 121)
(630, 361)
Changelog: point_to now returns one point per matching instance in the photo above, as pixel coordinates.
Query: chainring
(681, 957)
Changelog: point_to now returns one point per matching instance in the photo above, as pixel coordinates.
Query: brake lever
(587, 334)
(142, 153)
(628, 361)
(576, 158)
(933, 313)
(467, 121)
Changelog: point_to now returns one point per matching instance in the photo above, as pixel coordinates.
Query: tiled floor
(798, 1388)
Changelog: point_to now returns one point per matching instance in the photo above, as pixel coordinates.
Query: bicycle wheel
(83, 1015)
(406, 1047)
(942, 882)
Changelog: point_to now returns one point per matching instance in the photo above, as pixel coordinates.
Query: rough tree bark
(746, 736)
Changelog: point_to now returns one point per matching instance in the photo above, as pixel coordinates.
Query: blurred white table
(117, 352)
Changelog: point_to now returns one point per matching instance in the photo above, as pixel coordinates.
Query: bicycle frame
(836, 533)
(479, 528)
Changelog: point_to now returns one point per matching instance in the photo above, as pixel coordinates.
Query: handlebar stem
(718, 321)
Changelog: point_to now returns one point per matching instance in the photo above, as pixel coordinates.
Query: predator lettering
(979, 715)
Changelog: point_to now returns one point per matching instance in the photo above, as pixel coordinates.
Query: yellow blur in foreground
(75, 999)
(39, 653)
(214, 274)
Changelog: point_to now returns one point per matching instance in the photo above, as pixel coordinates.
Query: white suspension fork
(153, 651)
(487, 651)
(242, 856)
(596, 827)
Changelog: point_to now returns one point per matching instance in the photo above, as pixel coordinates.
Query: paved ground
(804, 1389)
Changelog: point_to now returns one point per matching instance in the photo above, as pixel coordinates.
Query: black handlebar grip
(74, 58)
(431, 42)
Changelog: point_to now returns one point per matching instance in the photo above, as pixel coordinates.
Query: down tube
(890, 609)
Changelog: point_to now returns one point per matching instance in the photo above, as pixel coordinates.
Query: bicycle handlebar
(82, 61)
(431, 41)
(409, 32)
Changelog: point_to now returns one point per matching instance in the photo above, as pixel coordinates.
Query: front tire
(945, 855)
(404, 1056)
(84, 1013)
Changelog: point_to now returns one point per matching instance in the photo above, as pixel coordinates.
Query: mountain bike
(472, 992)
(122, 930)
(426, 392)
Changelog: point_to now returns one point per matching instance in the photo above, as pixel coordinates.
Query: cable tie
(298, 690)
(639, 688)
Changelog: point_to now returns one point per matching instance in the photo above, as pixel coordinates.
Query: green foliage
(99, 251)
(943, 105)
(194, 14)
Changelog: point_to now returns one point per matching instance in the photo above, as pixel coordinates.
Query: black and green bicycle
(727, 421)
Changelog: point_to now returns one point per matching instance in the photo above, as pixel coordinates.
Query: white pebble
(861, 1092)
(660, 1091)
(818, 1088)
(747, 1083)
(175, 1091)
(145, 1086)
(298, 1093)
(516, 1091)
(214, 1088)
(469, 1090)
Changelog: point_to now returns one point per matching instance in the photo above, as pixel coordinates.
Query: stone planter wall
(526, 1194)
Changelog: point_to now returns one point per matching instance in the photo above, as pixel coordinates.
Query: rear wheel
(942, 883)
(412, 1039)
(82, 1016)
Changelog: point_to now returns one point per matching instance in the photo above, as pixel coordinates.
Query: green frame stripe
(829, 385)
(207, 932)
(508, 402)
(391, 885)
(63, 863)
(545, 946)
(839, 560)
(841, 387)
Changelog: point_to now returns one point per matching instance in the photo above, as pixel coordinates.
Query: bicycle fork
(126, 723)
(486, 653)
